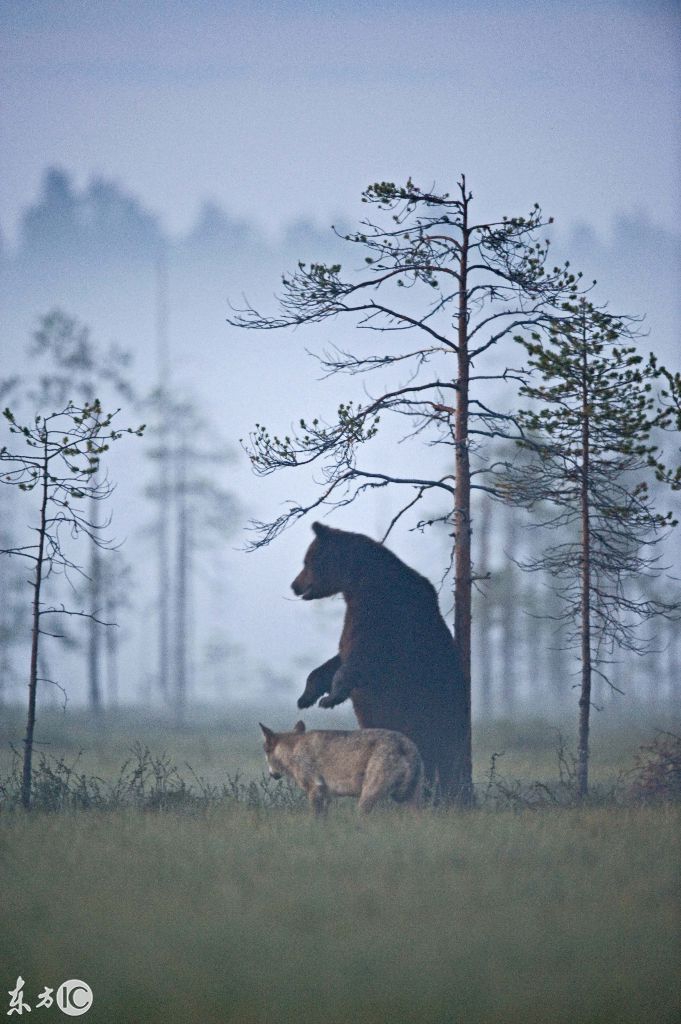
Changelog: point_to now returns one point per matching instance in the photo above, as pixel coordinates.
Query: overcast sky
(282, 109)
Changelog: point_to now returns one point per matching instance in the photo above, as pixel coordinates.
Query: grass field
(221, 912)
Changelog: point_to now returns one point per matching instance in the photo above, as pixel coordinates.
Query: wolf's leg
(318, 796)
(377, 784)
(319, 682)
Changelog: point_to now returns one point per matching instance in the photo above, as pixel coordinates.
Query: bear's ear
(299, 727)
(320, 530)
(267, 733)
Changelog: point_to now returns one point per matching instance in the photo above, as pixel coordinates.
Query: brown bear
(397, 660)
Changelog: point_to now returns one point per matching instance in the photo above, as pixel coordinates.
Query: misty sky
(291, 108)
(288, 110)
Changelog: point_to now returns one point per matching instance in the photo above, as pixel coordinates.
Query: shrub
(146, 781)
(657, 772)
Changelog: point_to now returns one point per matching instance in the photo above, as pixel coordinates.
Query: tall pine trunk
(462, 518)
(94, 637)
(181, 586)
(111, 641)
(510, 638)
(35, 641)
(165, 468)
(585, 602)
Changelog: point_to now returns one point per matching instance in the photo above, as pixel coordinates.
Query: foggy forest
(92, 267)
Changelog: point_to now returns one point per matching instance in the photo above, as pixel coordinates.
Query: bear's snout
(301, 587)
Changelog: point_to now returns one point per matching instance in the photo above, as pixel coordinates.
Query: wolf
(372, 764)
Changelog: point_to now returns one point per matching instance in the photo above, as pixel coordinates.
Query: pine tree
(590, 435)
(441, 290)
(57, 465)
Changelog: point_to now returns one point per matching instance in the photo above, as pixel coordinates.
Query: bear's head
(324, 565)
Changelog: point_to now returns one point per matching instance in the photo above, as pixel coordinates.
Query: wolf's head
(276, 751)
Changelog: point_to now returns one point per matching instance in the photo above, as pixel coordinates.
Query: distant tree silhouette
(117, 575)
(102, 223)
(13, 612)
(217, 234)
(199, 510)
(69, 365)
(117, 225)
(52, 226)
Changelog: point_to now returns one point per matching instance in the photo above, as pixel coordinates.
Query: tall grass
(193, 896)
(238, 915)
(217, 745)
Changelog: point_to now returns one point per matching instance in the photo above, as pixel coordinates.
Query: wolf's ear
(320, 530)
(299, 727)
(267, 733)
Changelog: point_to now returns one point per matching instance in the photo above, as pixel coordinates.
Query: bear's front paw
(332, 699)
(305, 700)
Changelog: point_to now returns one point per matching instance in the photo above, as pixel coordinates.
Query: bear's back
(398, 604)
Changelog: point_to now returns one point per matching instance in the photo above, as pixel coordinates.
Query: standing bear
(397, 661)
